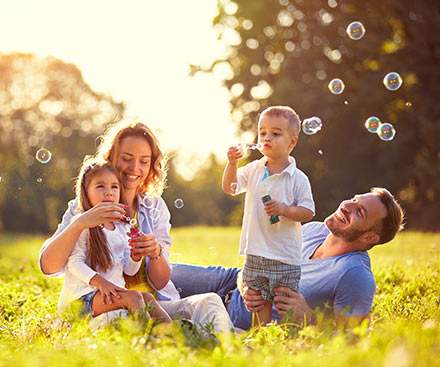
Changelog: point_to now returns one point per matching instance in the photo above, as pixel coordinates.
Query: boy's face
(277, 138)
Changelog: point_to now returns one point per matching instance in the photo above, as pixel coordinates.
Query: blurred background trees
(281, 53)
(286, 52)
(44, 103)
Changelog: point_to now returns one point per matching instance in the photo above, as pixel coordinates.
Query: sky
(137, 51)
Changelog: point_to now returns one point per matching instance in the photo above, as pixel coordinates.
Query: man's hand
(301, 310)
(252, 298)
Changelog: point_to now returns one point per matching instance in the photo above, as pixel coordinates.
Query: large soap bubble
(355, 30)
(178, 203)
(43, 155)
(386, 132)
(336, 86)
(392, 81)
(372, 124)
(311, 125)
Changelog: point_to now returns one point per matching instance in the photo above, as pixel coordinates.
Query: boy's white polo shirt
(280, 241)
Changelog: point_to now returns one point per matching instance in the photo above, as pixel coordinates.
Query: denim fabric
(88, 300)
(195, 279)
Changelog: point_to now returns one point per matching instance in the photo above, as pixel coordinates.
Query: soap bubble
(355, 30)
(149, 202)
(43, 155)
(392, 81)
(153, 213)
(386, 132)
(133, 222)
(372, 124)
(234, 186)
(257, 146)
(178, 203)
(311, 125)
(336, 86)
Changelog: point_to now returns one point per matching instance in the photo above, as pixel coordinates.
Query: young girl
(101, 255)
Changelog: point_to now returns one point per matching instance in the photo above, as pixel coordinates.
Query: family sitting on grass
(113, 243)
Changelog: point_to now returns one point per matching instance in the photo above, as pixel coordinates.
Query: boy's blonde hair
(109, 149)
(288, 113)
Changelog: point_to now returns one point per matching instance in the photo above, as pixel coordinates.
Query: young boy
(276, 188)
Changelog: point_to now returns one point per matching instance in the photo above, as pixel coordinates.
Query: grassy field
(405, 330)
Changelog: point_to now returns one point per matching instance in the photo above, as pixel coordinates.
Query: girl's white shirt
(78, 274)
(157, 224)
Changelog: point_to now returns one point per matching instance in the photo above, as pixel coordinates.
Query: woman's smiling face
(134, 161)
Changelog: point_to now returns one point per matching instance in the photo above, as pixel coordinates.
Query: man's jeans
(196, 279)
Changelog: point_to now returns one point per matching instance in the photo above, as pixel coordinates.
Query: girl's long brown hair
(98, 253)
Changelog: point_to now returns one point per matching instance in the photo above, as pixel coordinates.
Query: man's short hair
(286, 112)
(388, 227)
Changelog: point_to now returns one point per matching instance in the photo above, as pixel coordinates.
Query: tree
(204, 201)
(44, 103)
(286, 52)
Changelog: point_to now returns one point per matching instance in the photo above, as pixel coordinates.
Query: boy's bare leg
(158, 313)
(130, 300)
(264, 316)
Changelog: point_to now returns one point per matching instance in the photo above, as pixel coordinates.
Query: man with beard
(336, 275)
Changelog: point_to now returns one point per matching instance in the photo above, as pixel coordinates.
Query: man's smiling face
(356, 216)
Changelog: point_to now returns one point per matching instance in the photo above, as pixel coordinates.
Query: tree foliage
(286, 52)
(44, 103)
(205, 203)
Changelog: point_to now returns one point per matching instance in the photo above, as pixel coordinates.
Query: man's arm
(303, 312)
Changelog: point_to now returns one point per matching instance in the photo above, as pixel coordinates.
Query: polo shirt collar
(290, 169)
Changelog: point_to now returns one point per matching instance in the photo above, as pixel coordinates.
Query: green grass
(405, 329)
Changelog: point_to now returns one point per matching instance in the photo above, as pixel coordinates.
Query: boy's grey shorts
(264, 274)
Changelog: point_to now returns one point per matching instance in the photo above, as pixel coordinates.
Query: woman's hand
(101, 213)
(144, 245)
(106, 288)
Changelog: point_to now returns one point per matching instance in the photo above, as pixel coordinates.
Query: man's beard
(348, 235)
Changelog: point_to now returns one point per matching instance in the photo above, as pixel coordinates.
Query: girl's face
(104, 186)
(134, 161)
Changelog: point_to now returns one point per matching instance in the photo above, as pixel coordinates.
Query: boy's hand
(106, 288)
(273, 207)
(234, 154)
